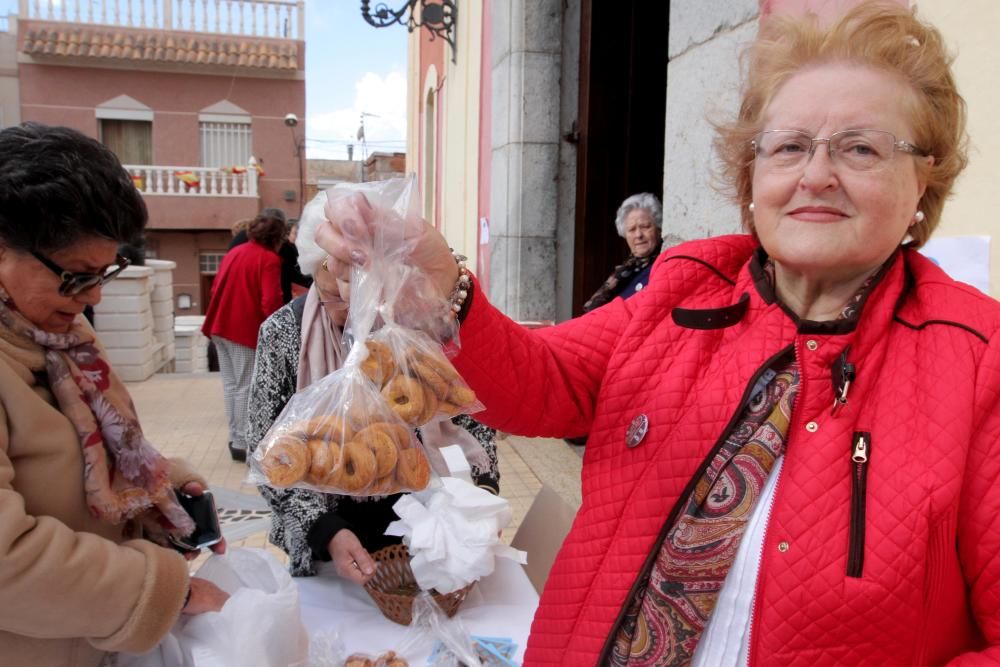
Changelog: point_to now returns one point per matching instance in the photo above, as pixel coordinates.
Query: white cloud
(385, 130)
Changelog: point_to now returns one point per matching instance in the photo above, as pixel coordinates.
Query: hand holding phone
(207, 530)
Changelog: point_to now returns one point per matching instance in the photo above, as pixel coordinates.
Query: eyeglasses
(858, 150)
(74, 283)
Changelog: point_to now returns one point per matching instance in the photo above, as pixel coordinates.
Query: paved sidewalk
(183, 415)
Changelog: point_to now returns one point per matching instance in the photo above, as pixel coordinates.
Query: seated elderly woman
(795, 433)
(639, 220)
(298, 345)
(80, 487)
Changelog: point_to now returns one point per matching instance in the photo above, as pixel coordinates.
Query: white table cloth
(501, 605)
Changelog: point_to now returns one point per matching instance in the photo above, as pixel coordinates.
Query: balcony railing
(284, 19)
(194, 181)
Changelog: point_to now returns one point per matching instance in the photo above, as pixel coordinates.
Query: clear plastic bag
(351, 432)
(415, 378)
(339, 436)
(399, 292)
(406, 360)
(430, 625)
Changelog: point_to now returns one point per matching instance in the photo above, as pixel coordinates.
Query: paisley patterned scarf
(663, 626)
(665, 621)
(124, 477)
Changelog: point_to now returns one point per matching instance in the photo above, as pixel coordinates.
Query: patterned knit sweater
(296, 512)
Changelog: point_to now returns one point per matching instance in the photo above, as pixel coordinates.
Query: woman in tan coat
(84, 498)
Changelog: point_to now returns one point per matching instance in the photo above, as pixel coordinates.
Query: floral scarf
(124, 476)
(619, 278)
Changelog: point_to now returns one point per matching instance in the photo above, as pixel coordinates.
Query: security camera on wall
(291, 120)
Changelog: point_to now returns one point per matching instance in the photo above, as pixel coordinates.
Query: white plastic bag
(259, 625)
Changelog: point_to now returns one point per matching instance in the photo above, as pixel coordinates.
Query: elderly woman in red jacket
(794, 433)
(246, 291)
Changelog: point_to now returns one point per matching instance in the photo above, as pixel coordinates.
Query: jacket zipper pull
(859, 491)
(860, 451)
(847, 373)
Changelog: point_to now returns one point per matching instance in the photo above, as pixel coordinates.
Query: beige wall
(457, 102)
(970, 29)
(10, 105)
(460, 148)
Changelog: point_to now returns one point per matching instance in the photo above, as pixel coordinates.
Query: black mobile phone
(207, 530)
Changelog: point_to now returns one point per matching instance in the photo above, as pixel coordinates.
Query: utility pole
(364, 143)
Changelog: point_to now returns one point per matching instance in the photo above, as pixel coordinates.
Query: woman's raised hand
(348, 235)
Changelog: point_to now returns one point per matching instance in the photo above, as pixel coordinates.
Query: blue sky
(351, 68)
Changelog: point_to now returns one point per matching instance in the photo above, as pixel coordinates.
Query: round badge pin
(636, 430)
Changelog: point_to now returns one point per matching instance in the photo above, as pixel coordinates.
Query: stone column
(525, 139)
(124, 324)
(703, 83)
(191, 354)
(162, 304)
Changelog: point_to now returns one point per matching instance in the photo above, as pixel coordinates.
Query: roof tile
(158, 47)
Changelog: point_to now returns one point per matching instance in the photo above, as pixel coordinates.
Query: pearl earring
(750, 207)
(918, 217)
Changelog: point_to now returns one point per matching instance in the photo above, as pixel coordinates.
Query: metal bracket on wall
(440, 18)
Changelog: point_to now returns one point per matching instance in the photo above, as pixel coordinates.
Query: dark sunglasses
(74, 283)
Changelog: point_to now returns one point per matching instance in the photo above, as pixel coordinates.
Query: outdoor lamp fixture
(439, 17)
(291, 120)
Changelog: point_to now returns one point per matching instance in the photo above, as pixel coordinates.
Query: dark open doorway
(623, 92)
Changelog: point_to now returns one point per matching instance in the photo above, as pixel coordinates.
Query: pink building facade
(195, 100)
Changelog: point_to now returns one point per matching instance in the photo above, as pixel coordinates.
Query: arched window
(430, 155)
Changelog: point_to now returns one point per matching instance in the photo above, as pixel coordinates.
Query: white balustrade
(194, 181)
(283, 19)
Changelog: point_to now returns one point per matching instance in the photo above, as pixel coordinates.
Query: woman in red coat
(795, 432)
(246, 291)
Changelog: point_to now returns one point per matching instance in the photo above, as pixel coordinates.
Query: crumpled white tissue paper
(452, 533)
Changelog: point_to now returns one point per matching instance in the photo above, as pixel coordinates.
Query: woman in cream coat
(83, 496)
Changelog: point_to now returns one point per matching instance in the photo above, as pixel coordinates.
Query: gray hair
(644, 200)
(310, 254)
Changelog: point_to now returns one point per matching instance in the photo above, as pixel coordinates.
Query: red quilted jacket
(890, 561)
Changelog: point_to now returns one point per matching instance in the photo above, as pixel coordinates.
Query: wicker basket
(393, 588)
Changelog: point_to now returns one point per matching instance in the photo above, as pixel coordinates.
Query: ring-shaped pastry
(413, 471)
(379, 365)
(401, 435)
(385, 486)
(358, 660)
(331, 428)
(436, 361)
(431, 378)
(430, 407)
(356, 470)
(450, 409)
(286, 461)
(383, 446)
(364, 408)
(406, 397)
(461, 395)
(323, 457)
